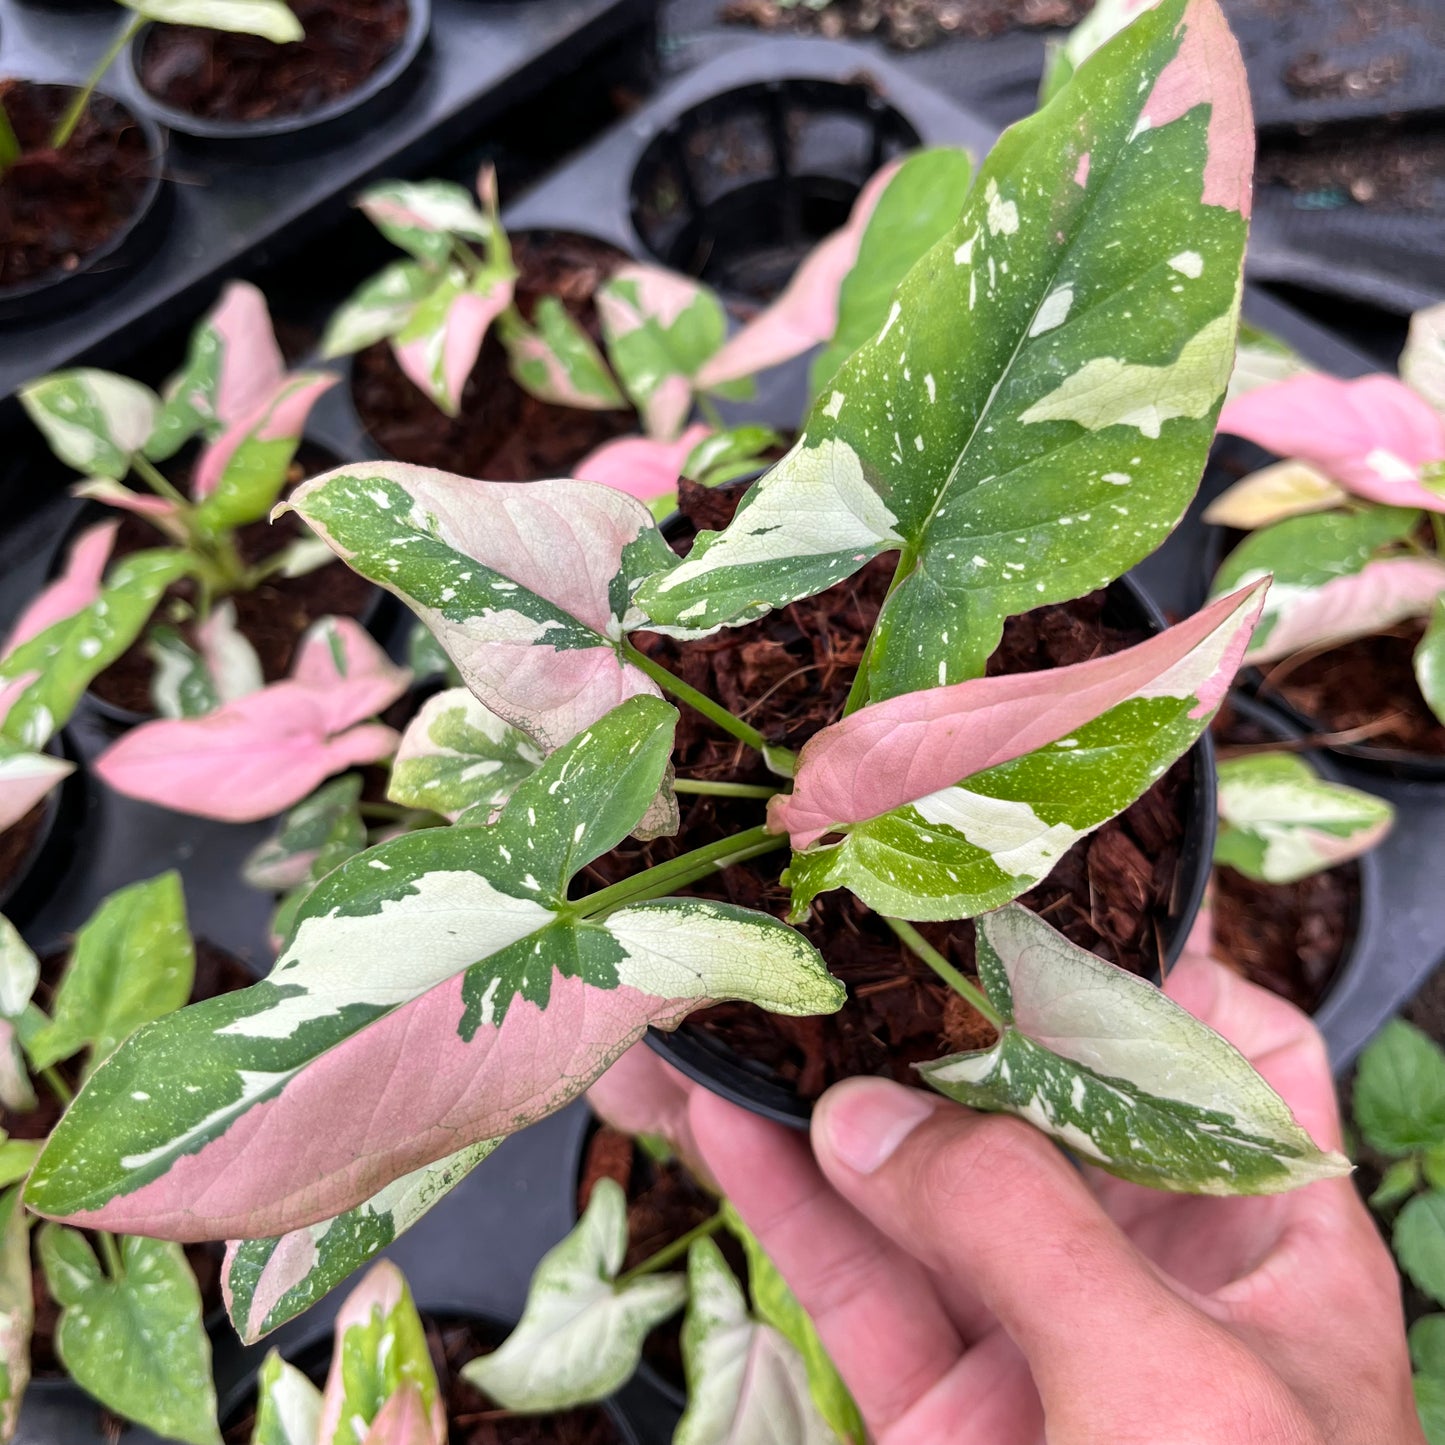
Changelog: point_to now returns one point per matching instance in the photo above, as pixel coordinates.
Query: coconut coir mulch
(789, 675)
(907, 24)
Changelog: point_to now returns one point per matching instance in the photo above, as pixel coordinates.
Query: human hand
(974, 1288)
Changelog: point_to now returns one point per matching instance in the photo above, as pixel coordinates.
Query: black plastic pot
(347, 118)
(52, 851)
(313, 1358)
(107, 265)
(743, 1082)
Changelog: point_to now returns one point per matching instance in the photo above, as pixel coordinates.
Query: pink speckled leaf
(1372, 436)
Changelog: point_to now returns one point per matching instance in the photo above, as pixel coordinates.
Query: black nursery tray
(226, 211)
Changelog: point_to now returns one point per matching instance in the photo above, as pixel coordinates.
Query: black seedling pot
(347, 118)
(754, 1087)
(107, 265)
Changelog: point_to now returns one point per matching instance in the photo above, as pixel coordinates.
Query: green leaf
(380, 307)
(1033, 415)
(133, 962)
(1399, 1099)
(1279, 821)
(723, 456)
(59, 663)
(1430, 660)
(918, 207)
(581, 1334)
(1433, 1166)
(1090, 1055)
(327, 823)
(288, 1405)
(17, 1309)
(555, 359)
(458, 944)
(1100, 25)
(380, 1349)
(16, 1157)
(1427, 1345)
(1397, 1184)
(775, 1304)
(270, 19)
(457, 754)
(181, 683)
(94, 421)
(19, 971)
(136, 1343)
(271, 1281)
(1420, 1243)
(745, 1381)
(1430, 1402)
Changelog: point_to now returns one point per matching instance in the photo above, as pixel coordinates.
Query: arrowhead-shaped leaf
(380, 307)
(288, 1405)
(1373, 436)
(133, 961)
(1286, 489)
(581, 1334)
(744, 1380)
(442, 338)
(1116, 1070)
(135, 1342)
(554, 359)
(1333, 579)
(1422, 363)
(17, 1309)
(380, 1350)
(77, 587)
(527, 585)
(1279, 821)
(328, 817)
(292, 1101)
(455, 755)
(1034, 413)
(423, 216)
(267, 750)
(957, 799)
(94, 421)
(270, 1281)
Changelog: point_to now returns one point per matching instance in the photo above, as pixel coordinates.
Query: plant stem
(110, 1252)
(157, 481)
(678, 872)
(57, 1085)
(711, 414)
(858, 693)
(698, 701)
(669, 1252)
(1437, 526)
(918, 944)
(723, 790)
(76, 108)
(9, 142)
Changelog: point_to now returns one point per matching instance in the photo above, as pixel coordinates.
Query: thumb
(987, 1202)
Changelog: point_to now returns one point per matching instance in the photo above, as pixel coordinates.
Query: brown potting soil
(57, 207)
(788, 676)
(18, 843)
(1291, 938)
(217, 972)
(273, 616)
(502, 432)
(1377, 164)
(907, 24)
(218, 75)
(1368, 684)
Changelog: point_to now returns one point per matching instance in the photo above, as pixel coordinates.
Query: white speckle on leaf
(1188, 263)
(1054, 311)
(1003, 216)
(835, 405)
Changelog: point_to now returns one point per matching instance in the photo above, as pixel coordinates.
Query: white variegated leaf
(94, 421)
(1286, 489)
(288, 1405)
(17, 1309)
(1422, 363)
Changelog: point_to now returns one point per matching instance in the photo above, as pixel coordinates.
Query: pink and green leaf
(459, 942)
(1374, 436)
(26, 777)
(77, 587)
(1091, 1055)
(527, 586)
(422, 217)
(94, 421)
(380, 307)
(17, 1310)
(439, 344)
(954, 800)
(556, 360)
(1033, 415)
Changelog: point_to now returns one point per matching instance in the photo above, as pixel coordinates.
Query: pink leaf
(439, 364)
(910, 746)
(1378, 596)
(403, 1420)
(1372, 435)
(113, 494)
(661, 296)
(639, 466)
(278, 416)
(75, 589)
(251, 366)
(25, 778)
(806, 314)
(365, 681)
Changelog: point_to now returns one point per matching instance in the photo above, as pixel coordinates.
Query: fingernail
(862, 1122)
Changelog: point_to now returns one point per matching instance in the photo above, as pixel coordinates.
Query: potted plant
(1350, 522)
(444, 989)
(77, 169)
(236, 415)
(119, 1318)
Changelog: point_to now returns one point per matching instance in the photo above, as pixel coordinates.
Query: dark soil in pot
(1292, 938)
(19, 844)
(217, 75)
(502, 433)
(789, 675)
(59, 207)
(217, 972)
(273, 616)
(906, 24)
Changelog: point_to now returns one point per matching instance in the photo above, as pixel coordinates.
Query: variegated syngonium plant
(1031, 416)
(1351, 520)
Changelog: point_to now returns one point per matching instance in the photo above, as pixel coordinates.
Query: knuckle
(994, 1156)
